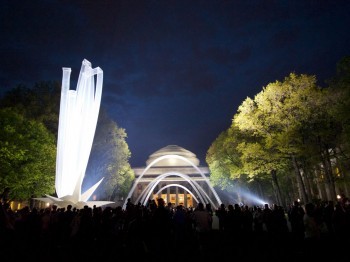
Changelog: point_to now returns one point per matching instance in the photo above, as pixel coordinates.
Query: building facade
(174, 174)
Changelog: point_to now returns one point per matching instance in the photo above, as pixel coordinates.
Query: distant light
(338, 197)
(298, 199)
(47, 204)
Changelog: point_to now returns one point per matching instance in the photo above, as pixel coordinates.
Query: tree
(292, 124)
(340, 111)
(228, 162)
(277, 115)
(40, 102)
(110, 159)
(27, 156)
(220, 161)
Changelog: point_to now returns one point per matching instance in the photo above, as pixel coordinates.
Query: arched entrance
(178, 167)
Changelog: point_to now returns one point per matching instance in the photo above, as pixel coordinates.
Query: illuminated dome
(173, 150)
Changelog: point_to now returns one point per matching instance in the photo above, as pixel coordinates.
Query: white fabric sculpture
(78, 116)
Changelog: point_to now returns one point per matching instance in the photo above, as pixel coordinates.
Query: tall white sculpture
(78, 116)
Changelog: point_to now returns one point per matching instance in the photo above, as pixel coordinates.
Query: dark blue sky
(175, 72)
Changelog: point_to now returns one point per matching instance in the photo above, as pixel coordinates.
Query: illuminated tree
(235, 157)
(110, 159)
(290, 125)
(279, 115)
(221, 162)
(27, 156)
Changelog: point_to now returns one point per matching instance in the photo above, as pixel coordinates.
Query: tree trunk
(320, 185)
(300, 181)
(277, 188)
(329, 176)
(308, 186)
(292, 190)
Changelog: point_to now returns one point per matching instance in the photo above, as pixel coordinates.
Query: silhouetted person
(221, 213)
(247, 221)
(296, 216)
(258, 220)
(210, 211)
(161, 228)
(340, 223)
(312, 231)
(202, 223)
(179, 227)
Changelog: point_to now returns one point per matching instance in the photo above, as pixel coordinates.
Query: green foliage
(110, 159)
(27, 156)
(218, 160)
(41, 102)
(224, 158)
(293, 119)
(340, 112)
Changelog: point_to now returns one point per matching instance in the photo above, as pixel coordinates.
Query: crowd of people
(159, 230)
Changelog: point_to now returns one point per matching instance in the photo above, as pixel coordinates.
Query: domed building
(174, 174)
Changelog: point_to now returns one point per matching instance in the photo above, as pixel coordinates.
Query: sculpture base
(65, 201)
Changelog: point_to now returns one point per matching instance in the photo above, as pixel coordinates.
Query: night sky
(175, 72)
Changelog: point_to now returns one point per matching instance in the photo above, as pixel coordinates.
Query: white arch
(197, 186)
(193, 183)
(175, 185)
(165, 157)
(150, 187)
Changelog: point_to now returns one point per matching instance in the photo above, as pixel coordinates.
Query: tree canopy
(291, 127)
(109, 159)
(27, 156)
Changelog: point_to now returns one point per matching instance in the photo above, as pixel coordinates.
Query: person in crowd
(296, 219)
(202, 221)
(221, 213)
